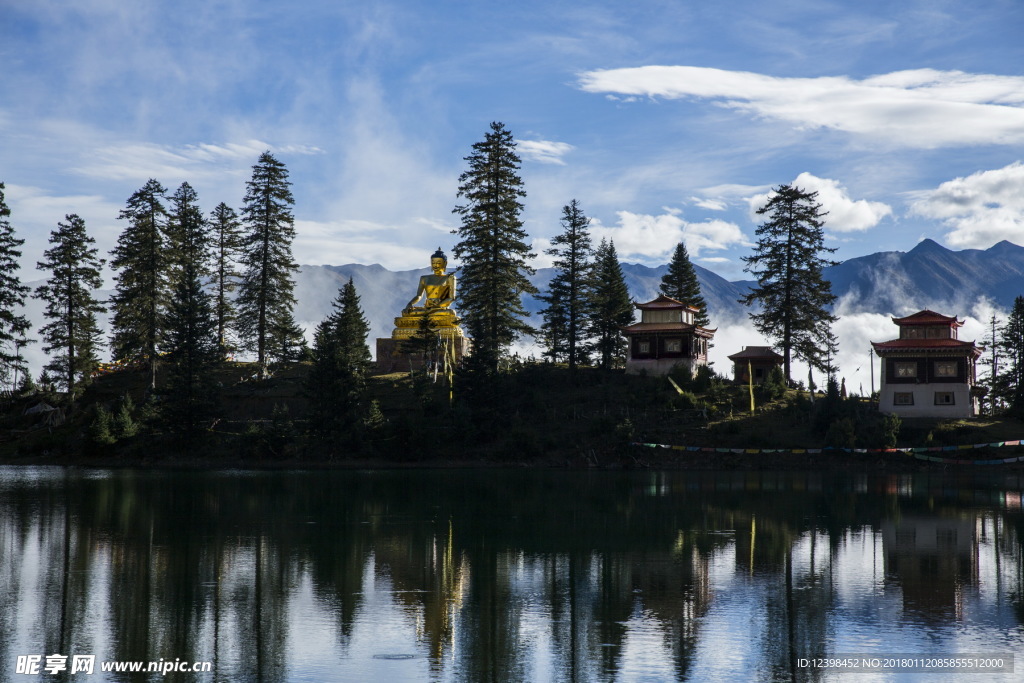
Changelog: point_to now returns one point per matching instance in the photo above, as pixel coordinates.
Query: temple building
(927, 371)
(665, 337)
(756, 361)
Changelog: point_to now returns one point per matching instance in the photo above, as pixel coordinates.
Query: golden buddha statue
(438, 292)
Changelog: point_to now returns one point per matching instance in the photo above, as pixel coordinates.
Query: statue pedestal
(390, 357)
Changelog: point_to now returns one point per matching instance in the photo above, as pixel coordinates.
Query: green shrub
(891, 430)
(842, 433)
(774, 385)
(125, 425)
(101, 430)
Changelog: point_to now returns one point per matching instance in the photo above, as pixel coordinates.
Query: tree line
(175, 272)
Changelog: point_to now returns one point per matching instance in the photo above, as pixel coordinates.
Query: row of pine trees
(175, 271)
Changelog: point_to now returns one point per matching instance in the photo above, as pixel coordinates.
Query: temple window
(903, 398)
(944, 398)
(673, 345)
(945, 368)
(905, 369)
(643, 347)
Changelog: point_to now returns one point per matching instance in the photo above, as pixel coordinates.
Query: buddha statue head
(438, 262)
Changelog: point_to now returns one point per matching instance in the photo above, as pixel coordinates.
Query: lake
(509, 575)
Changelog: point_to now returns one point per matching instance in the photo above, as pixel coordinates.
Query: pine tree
(554, 330)
(336, 382)
(680, 283)
(142, 257)
(226, 243)
(287, 340)
(71, 333)
(189, 338)
(265, 300)
(493, 249)
(187, 240)
(1011, 344)
(568, 296)
(992, 378)
(351, 329)
(612, 306)
(791, 288)
(14, 326)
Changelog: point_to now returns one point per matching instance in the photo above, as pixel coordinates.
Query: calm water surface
(506, 575)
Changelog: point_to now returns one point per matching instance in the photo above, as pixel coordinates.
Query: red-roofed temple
(928, 372)
(665, 337)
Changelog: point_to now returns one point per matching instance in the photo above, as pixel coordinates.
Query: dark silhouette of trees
(493, 247)
(680, 283)
(565, 330)
(612, 306)
(71, 335)
(266, 298)
(142, 259)
(14, 326)
(791, 288)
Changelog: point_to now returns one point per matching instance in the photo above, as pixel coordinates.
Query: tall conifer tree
(493, 248)
(14, 325)
(71, 335)
(612, 306)
(566, 319)
(1011, 344)
(791, 288)
(141, 257)
(266, 298)
(680, 283)
(190, 339)
(226, 244)
(336, 383)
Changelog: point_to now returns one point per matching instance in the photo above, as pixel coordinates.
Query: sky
(668, 121)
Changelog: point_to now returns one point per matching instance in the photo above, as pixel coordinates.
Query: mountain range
(892, 282)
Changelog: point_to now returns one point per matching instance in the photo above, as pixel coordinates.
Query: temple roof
(664, 303)
(926, 345)
(757, 353)
(668, 327)
(927, 317)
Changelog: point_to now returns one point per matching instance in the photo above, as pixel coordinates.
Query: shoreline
(637, 460)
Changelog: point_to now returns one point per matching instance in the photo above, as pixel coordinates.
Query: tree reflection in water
(499, 575)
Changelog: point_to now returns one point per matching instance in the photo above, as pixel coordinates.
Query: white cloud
(709, 204)
(653, 238)
(146, 160)
(715, 259)
(921, 108)
(983, 208)
(544, 151)
(844, 214)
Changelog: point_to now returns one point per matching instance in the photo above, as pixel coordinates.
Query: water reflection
(503, 575)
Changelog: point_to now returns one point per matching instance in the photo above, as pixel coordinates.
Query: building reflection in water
(497, 575)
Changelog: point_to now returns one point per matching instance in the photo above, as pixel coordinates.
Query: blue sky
(666, 120)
